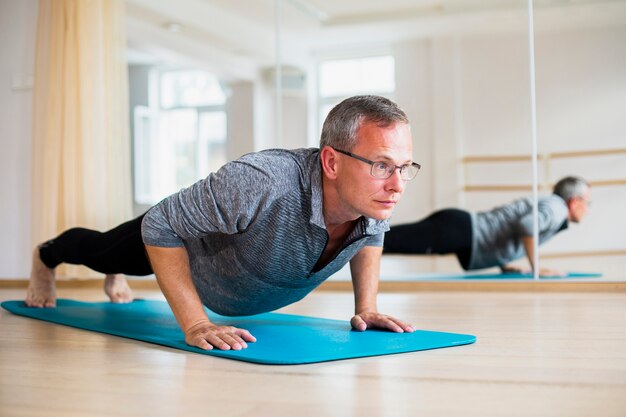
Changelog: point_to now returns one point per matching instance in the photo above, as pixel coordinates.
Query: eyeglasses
(587, 202)
(383, 170)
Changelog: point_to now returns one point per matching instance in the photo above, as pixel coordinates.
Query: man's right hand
(171, 267)
(206, 335)
(512, 269)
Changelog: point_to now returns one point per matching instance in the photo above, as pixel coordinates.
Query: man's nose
(395, 183)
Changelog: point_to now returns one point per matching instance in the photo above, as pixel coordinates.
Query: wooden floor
(537, 354)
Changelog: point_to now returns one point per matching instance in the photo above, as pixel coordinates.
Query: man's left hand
(374, 320)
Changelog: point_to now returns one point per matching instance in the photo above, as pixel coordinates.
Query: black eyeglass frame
(371, 163)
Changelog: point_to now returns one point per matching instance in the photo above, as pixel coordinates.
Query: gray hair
(342, 123)
(571, 187)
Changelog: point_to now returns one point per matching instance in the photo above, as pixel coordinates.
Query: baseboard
(387, 286)
(491, 286)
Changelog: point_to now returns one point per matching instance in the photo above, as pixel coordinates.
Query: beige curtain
(81, 149)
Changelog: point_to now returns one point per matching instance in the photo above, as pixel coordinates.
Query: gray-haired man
(262, 232)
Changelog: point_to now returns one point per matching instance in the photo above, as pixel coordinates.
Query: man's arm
(365, 269)
(529, 247)
(171, 267)
(527, 241)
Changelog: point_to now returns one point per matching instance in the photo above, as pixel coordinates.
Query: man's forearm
(365, 270)
(529, 246)
(171, 267)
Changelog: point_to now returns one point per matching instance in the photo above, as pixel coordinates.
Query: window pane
(357, 76)
(190, 88)
(212, 142)
(378, 74)
(178, 131)
(179, 141)
(324, 110)
(143, 154)
(213, 126)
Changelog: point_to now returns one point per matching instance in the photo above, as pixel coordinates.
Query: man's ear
(571, 206)
(328, 156)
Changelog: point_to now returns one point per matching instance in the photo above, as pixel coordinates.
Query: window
(182, 138)
(339, 79)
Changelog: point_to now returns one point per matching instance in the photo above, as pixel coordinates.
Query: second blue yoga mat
(517, 275)
(485, 276)
(281, 338)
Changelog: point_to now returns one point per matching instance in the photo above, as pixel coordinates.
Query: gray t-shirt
(254, 231)
(497, 234)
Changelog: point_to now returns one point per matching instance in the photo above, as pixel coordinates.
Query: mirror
(460, 69)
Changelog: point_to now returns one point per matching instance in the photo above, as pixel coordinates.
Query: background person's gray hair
(571, 187)
(342, 123)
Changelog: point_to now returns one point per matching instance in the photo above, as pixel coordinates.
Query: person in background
(495, 237)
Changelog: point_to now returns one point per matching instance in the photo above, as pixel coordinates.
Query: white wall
(17, 44)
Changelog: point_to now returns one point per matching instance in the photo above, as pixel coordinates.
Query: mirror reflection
(459, 69)
(211, 80)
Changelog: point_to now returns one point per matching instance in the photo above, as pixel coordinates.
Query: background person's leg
(443, 232)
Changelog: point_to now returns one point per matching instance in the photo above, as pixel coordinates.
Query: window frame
(315, 117)
(152, 113)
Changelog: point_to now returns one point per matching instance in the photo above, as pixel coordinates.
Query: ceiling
(235, 38)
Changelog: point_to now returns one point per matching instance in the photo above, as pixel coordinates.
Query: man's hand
(365, 268)
(543, 272)
(207, 336)
(548, 272)
(374, 320)
(512, 269)
(171, 267)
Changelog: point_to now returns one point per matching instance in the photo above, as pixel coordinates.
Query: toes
(121, 298)
(40, 303)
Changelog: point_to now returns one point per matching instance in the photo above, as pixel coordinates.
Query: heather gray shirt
(497, 234)
(254, 231)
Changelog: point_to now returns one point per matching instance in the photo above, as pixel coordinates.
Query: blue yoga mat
(281, 338)
(490, 276)
(517, 275)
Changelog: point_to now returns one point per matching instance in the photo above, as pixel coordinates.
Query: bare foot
(116, 287)
(41, 288)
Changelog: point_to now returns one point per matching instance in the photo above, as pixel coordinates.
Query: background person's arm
(171, 267)
(365, 270)
(552, 212)
(529, 247)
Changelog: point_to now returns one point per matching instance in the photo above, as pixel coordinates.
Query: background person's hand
(548, 272)
(374, 320)
(206, 335)
(513, 269)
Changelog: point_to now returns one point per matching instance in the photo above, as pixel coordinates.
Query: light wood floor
(537, 354)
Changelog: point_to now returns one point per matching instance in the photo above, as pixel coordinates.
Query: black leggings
(118, 251)
(443, 232)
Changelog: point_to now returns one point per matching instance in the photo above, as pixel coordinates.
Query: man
(496, 237)
(262, 232)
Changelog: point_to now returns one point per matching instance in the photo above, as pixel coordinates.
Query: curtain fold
(81, 141)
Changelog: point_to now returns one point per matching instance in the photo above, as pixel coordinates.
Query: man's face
(578, 207)
(362, 194)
